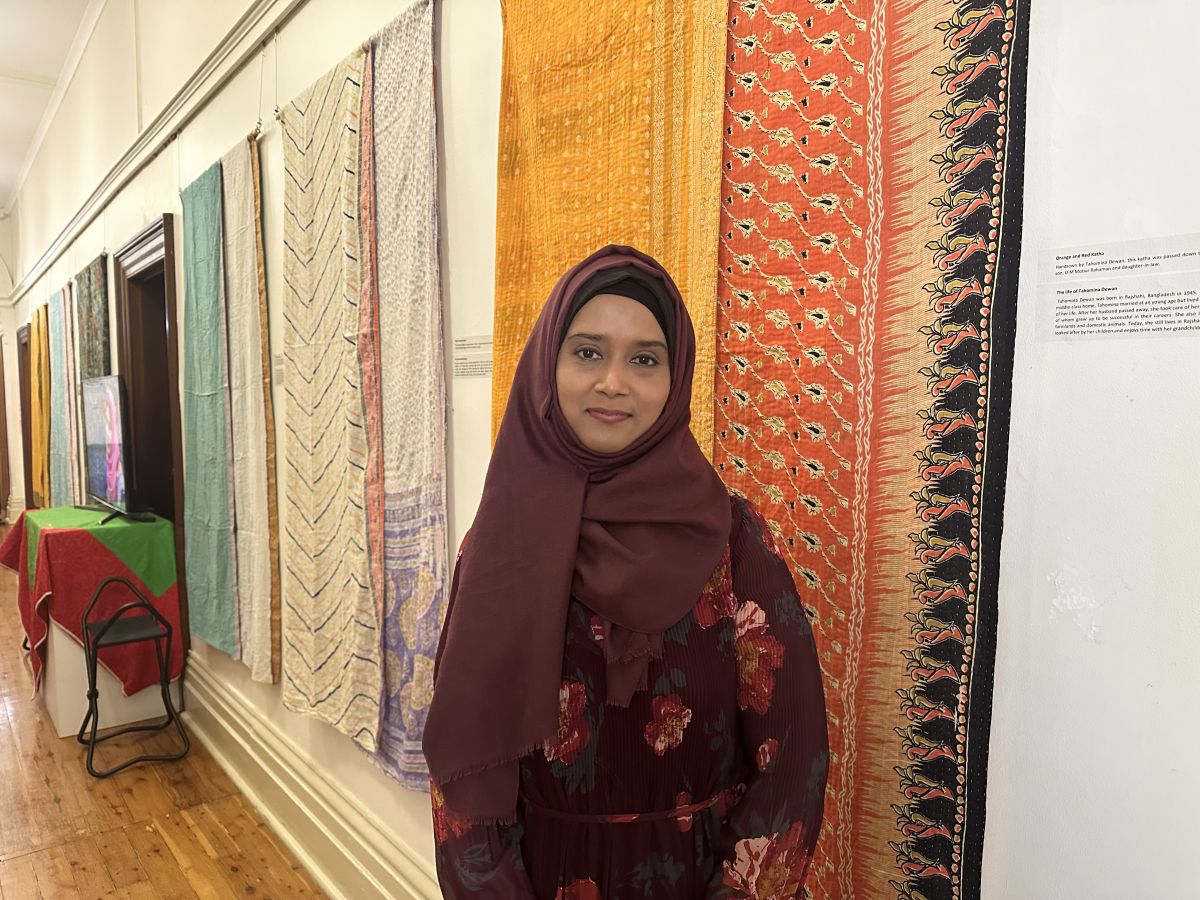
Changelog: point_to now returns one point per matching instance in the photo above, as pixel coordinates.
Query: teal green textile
(207, 494)
(62, 488)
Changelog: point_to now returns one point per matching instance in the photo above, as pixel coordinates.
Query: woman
(628, 701)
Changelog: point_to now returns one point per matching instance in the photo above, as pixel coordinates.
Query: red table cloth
(62, 554)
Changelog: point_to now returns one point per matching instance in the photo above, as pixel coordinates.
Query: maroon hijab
(632, 535)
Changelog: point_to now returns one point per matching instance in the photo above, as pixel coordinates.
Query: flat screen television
(106, 439)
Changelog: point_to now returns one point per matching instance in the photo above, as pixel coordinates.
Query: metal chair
(125, 627)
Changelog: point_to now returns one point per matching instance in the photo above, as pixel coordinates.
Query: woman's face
(613, 373)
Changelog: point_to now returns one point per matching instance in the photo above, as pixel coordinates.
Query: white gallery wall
(1094, 775)
(1095, 728)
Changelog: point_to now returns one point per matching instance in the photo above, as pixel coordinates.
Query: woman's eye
(587, 353)
(645, 359)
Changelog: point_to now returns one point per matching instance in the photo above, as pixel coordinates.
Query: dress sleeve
(771, 831)
(475, 861)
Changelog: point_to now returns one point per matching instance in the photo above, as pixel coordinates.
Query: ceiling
(37, 39)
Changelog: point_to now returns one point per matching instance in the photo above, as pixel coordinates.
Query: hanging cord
(276, 74)
(262, 66)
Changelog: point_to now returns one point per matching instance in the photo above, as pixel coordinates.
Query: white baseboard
(345, 846)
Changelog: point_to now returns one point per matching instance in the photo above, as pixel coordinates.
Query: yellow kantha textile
(610, 133)
(39, 405)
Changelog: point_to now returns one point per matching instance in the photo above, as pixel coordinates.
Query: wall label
(473, 356)
(1140, 288)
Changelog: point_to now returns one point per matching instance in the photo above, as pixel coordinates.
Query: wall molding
(242, 42)
(344, 845)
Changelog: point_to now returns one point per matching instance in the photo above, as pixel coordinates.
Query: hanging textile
(368, 329)
(91, 302)
(268, 416)
(331, 629)
(75, 457)
(609, 134)
(870, 236)
(39, 405)
(62, 484)
(249, 386)
(210, 562)
(414, 393)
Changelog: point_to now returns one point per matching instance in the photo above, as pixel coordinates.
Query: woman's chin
(606, 442)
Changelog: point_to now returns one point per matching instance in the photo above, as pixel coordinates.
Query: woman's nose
(611, 382)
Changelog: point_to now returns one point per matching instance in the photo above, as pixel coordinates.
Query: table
(62, 554)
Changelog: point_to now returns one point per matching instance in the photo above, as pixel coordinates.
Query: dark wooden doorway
(148, 359)
(5, 468)
(26, 432)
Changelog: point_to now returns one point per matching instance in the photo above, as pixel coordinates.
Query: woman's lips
(608, 416)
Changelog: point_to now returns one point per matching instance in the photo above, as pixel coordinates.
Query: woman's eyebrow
(586, 336)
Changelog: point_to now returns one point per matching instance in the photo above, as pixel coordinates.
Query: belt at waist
(722, 800)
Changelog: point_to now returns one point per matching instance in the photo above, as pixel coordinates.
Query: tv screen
(105, 440)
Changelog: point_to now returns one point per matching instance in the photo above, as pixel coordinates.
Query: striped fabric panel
(268, 408)
(368, 337)
(331, 667)
(247, 414)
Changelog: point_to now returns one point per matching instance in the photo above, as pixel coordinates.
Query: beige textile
(331, 643)
(246, 371)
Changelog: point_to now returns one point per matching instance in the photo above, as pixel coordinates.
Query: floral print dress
(709, 785)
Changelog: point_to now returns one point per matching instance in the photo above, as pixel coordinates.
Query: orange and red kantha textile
(866, 312)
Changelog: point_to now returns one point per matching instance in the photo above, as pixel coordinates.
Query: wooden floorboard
(153, 832)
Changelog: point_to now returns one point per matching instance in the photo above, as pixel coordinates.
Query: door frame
(23, 386)
(151, 248)
(5, 465)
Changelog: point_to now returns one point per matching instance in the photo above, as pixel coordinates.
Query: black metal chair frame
(146, 626)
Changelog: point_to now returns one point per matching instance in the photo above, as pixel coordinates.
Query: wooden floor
(156, 830)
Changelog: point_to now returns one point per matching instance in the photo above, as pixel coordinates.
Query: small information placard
(473, 356)
(1142, 288)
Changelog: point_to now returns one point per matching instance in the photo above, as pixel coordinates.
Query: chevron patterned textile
(208, 499)
(331, 628)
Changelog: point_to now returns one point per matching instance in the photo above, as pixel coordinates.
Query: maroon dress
(710, 784)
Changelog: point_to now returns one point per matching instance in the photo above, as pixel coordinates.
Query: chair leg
(93, 713)
(164, 662)
(172, 717)
(91, 694)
